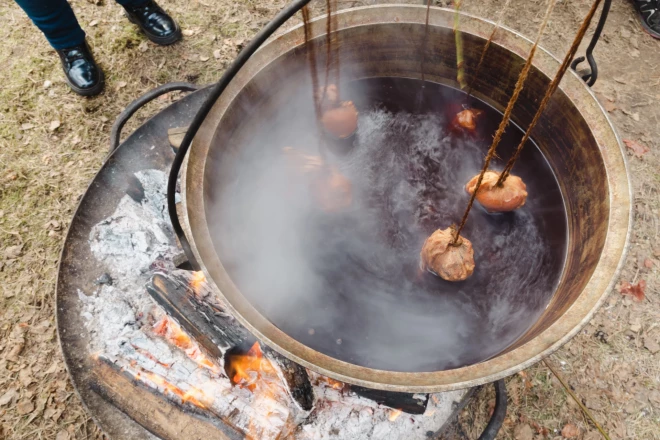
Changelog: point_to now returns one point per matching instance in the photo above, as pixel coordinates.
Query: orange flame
(194, 396)
(171, 331)
(395, 414)
(248, 369)
(256, 373)
(197, 280)
(335, 384)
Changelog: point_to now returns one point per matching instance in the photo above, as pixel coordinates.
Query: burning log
(191, 304)
(152, 411)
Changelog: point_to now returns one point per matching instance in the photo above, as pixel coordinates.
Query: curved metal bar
(499, 413)
(204, 110)
(134, 106)
(591, 77)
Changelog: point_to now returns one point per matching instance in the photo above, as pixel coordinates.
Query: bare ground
(52, 142)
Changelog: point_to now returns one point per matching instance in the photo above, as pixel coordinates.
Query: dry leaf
(651, 345)
(121, 85)
(523, 432)
(93, 23)
(609, 106)
(570, 431)
(62, 435)
(143, 47)
(47, 84)
(203, 58)
(634, 290)
(648, 263)
(25, 407)
(25, 376)
(638, 149)
(27, 126)
(217, 54)
(54, 125)
(13, 251)
(188, 32)
(7, 397)
(15, 351)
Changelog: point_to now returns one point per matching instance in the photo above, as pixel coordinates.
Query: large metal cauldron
(574, 135)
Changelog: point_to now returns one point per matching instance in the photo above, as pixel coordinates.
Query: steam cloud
(347, 284)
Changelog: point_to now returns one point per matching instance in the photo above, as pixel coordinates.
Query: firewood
(154, 412)
(216, 331)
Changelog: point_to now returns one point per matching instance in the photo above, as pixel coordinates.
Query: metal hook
(591, 77)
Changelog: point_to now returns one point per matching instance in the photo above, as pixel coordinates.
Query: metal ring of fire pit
(544, 341)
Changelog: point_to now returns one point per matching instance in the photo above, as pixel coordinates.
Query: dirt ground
(52, 142)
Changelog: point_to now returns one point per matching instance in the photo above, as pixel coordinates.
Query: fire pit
(152, 350)
(250, 347)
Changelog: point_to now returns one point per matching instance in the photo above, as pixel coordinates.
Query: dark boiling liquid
(347, 284)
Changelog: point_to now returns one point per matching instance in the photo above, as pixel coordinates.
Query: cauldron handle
(289, 11)
(591, 77)
(134, 106)
(499, 413)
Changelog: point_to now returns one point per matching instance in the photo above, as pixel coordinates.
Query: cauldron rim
(549, 340)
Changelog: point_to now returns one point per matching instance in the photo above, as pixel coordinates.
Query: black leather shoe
(154, 22)
(649, 15)
(82, 73)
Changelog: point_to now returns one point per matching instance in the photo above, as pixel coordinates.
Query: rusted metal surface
(575, 135)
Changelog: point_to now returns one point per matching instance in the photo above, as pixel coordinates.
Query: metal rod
(134, 106)
(591, 77)
(289, 11)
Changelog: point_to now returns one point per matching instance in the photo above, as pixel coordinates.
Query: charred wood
(152, 411)
(408, 403)
(219, 333)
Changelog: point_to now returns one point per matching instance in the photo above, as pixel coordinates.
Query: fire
(197, 280)
(395, 414)
(193, 396)
(334, 384)
(256, 373)
(249, 369)
(170, 330)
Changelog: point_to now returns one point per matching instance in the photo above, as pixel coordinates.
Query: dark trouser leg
(131, 3)
(56, 20)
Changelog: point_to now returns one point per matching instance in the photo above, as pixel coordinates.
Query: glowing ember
(171, 331)
(334, 384)
(256, 373)
(193, 396)
(197, 280)
(395, 414)
(249, 369)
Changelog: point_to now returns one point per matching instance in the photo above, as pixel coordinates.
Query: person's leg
(131, 3)
(157, 25)
(56, 20)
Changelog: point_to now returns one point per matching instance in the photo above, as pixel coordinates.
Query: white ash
(136, 234)
(119, 319)
(341, 415)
